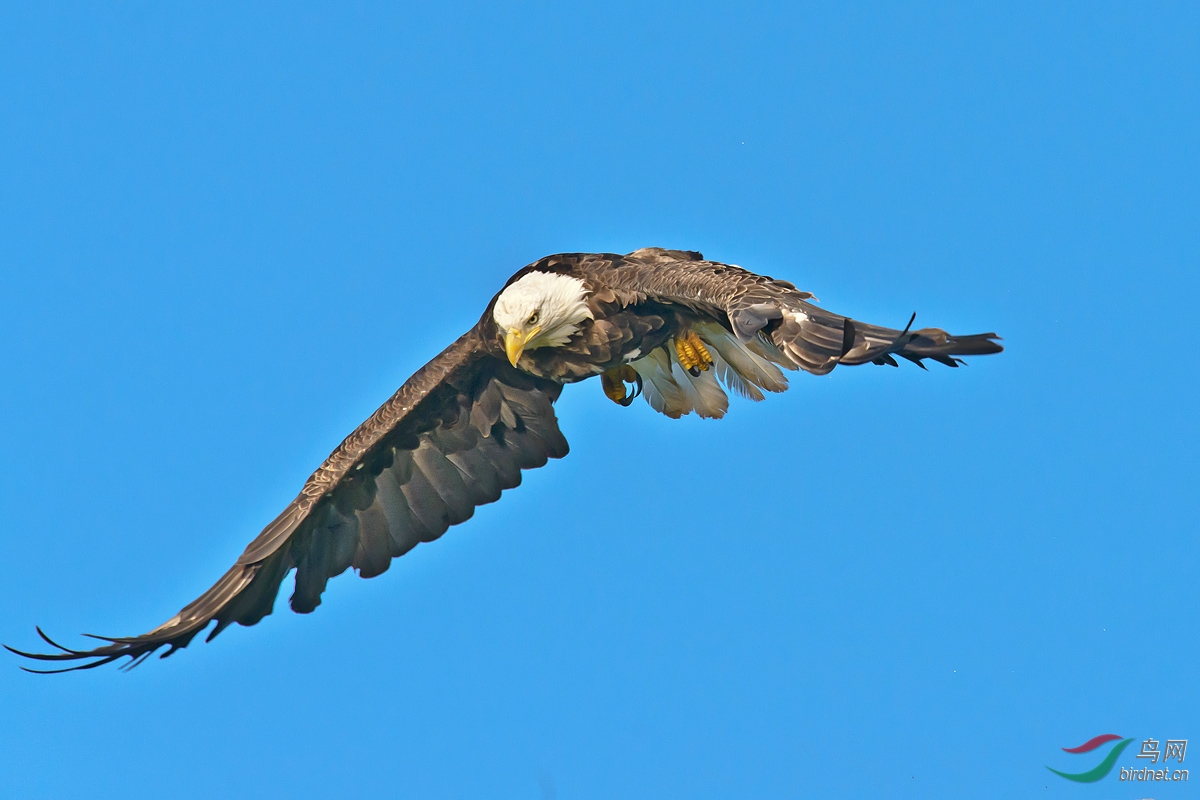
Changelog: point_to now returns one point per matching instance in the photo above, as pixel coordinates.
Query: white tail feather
(703, 392)
(659, 387)
(729, 376)
(746, 368)
(742, 362)
(670, 390)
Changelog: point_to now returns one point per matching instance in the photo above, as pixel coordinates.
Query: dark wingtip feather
(221, 625)
(886, 360)
(109, 639)
(21, 653)
(137, 661)
(99, 662)
(848, 336)
(55, 644)
(946, 349)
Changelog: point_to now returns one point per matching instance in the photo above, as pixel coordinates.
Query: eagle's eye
(533, 318)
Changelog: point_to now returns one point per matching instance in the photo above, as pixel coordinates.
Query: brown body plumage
(461, 429)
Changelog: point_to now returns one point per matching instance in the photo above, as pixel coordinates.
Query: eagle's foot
(614, 381)
(693, 355)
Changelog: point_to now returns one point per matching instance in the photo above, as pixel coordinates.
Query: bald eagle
(666, 324)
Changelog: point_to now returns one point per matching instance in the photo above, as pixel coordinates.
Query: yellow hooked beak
(515, 341)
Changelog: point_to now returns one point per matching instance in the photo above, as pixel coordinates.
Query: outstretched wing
(453, 437)
(754, 306)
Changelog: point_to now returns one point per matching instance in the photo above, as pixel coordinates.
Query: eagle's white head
(540, 309)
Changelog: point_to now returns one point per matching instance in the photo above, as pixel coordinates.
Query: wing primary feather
(848, 334)
(374, 542)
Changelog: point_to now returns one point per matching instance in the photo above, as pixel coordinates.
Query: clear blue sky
(229, 233)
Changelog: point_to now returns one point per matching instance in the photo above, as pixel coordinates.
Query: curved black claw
(636, 380)
(614, 381)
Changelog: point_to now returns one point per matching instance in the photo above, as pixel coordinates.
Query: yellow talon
(614, 381)
(693, 355)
